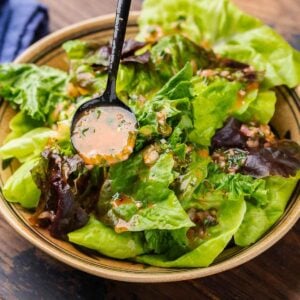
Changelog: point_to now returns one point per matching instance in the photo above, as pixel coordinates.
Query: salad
(207, 172)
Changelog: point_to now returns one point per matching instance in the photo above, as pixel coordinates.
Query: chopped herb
(84, 130)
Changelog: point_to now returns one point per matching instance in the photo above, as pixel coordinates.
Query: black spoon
(103, 129)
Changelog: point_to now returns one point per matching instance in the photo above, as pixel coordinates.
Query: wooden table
(27, 273)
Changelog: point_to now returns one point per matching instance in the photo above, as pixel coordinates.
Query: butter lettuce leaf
(97, 236)
(260, 110)
(230, 215)
(20, 124)
(258, 220)
(232, 34)
(21, 188)
(170, 243)
(28, 146)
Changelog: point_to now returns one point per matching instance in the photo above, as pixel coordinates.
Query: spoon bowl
(103, 134)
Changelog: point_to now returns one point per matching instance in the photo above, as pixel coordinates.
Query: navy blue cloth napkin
(22, 22)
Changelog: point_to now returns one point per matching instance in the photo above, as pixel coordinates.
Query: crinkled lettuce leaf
(97, 236)
(217, 184)
(230, 214)
(28, 146)
(225, 193)
(280, 158)
(21, 188)
(259, 220)
(253, 190)
(69, 192)
(232, 34)
(34, 90)
(267, 51)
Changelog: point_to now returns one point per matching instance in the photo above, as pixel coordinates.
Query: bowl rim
(278, 230)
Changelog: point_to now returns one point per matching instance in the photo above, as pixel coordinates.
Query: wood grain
(27, 273)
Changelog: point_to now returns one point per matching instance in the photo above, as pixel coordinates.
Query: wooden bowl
(49, 52)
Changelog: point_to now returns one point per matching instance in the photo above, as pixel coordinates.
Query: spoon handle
(122, 13)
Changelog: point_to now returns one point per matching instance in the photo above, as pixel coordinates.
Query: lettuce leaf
(230, 215)
(159, 115)
(171, 243)
(171, 53)
(69, 192)
(97, 236)
(217, 99)
(259, 220)
(195, 173)
(138, 198)
(225, 193)
(259, 110)
(253, 190)
(137, 82)
(77, 49)
(212, 105)
(21, 188)
(34, 90)
(20, 124)
(266, 51)
(28, 146)
(232, 34)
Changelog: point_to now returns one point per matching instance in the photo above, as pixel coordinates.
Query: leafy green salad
(207, 172)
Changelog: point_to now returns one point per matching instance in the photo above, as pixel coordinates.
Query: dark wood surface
(27, 273)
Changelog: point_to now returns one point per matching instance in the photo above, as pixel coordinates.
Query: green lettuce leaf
(77, 49)
(171, 53)
(158, 116)
(254, 190)
(34, 90)
(195, 173)
(28, 146)
(21, 188)
(97, 236)
(259, 220)
(171, 243)
(20, 124)
(137, 82)
(260, 110)
(232, 34)
(230, 215)
(139, 198)
(212, 105)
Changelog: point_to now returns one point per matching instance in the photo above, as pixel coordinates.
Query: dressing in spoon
(103, 129)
